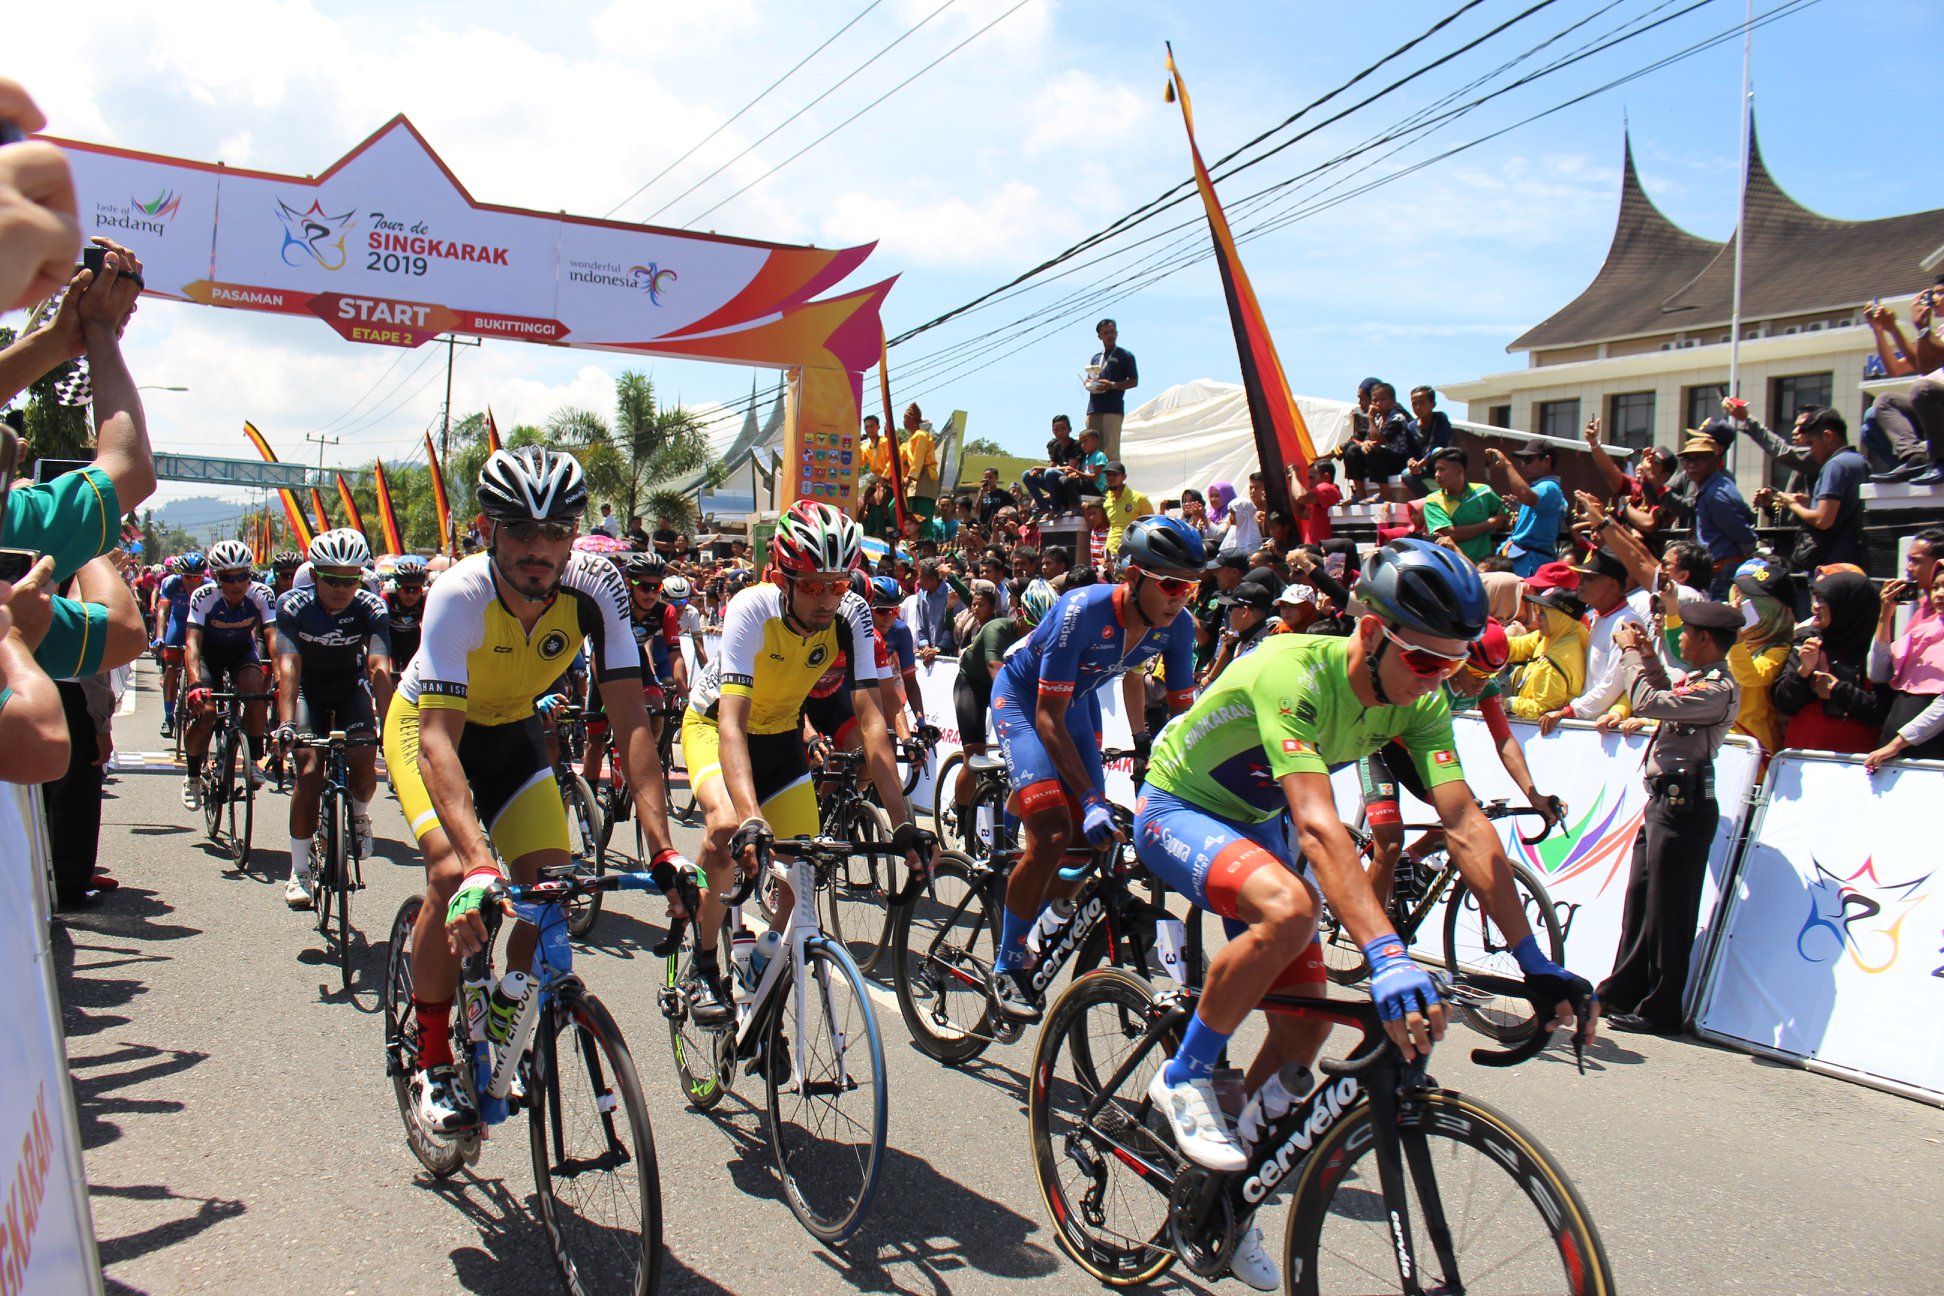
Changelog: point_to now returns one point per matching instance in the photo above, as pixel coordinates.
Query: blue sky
(1040, 131)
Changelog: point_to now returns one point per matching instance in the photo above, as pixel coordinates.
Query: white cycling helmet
(532, 485)
(675, 588)
(340, 548)
(231, 555)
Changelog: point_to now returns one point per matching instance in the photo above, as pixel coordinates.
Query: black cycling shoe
(707, 1006)
(1012, 991)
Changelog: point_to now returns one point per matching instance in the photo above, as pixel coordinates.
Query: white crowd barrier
(46, 1230)
(1829, 954)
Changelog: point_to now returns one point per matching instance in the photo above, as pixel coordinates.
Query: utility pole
(321, 443)
(445, 430)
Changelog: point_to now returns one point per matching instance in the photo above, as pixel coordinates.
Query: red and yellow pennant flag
(352, 518)
(1282, 437)
(439, 495)
(293, 512)
(387, 515)
(891, 429)
(492, 431)
(323, 518)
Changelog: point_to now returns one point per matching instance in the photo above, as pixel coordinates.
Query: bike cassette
(1206, 1249)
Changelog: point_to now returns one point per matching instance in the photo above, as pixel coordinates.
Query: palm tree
(643, 459)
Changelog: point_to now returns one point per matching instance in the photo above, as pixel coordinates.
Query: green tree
(635, 461)
(984, 445)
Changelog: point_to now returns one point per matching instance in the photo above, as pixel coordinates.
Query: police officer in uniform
(1670, 858)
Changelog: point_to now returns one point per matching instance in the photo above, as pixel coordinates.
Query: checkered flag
(74, 388)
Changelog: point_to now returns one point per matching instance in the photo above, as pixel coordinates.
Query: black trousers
(1670, 862)
(1371, 463)
(73, 802)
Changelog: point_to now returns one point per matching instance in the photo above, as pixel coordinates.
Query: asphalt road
(241, 1134)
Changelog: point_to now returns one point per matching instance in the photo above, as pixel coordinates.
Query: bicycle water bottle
(1050, 921)
(760, 955)
(503, 1006)
(741, 946)
(476, 995)
(1280, 1092)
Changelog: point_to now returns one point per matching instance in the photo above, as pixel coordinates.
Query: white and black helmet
(340, 548)
(532, 485)
(231, 555)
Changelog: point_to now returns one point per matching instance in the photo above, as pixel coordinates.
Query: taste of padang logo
(314, 235)
(1860, 915)
(151, 217)
(1602, 838)
(652, 280)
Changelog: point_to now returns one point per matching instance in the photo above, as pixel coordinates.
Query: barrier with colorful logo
(1832, 946)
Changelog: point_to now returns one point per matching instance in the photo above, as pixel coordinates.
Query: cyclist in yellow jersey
(466, 751)
(741, 736)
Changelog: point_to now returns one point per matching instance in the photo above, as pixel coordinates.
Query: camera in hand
(1908, 594)
(94, 257)
(16, 563)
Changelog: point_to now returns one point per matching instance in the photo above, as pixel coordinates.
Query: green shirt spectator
(1461, 508)
(75, 640)
(76, 518)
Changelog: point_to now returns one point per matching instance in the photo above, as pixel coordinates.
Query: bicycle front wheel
(857, 900)
(216, 786)
(1473, 944)
(695, 1045)
(594, 1168)
(943, 946)
(242, 820)
(586, 837)
(1490, 1212)
(1105, 1181)
(824, 1070)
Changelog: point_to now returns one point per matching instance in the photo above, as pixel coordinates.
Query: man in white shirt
(608, 526)
(1603, 586)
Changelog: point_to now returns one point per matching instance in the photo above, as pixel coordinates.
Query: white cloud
(949, 231)
(1078, 111)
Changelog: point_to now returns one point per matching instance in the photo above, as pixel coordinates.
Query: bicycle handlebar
(1379, 1045)
(1554, 813)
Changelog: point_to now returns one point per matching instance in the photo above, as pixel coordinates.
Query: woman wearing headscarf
(1219, 495)
(1824, 693)
(1763, 592)
(1549, 664)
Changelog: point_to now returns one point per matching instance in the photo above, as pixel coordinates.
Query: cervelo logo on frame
(314, 233)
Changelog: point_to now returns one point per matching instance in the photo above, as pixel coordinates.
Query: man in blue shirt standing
(1534, 541)
(1111, 374)
(1722, 519)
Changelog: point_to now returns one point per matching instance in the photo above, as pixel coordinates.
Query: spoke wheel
(1473, 944)
(943, 945)
(343, 855)
(945, 822)
(856, 897)
(586, 837)
(695, 1045)
(1514, 1222)
(824, 1072)
(215, 784)
(1108, 1215)
(594, 1168)
(440, 1155)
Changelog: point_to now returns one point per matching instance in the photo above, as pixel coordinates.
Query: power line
(740, 111)
(912, 31)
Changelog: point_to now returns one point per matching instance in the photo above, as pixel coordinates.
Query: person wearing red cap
(1550, 663)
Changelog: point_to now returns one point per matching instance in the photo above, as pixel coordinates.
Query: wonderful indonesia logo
(651, 280)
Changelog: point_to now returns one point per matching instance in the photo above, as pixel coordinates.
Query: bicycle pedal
(673, 1003)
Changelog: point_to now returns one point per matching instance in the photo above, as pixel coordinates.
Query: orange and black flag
(492, 431)
(439, 495)
(1282, 438)
(352, 518)
(891, 431)
(293, 511)
(323, 518)
(387, 515)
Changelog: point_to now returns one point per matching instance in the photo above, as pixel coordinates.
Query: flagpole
(1741, 208)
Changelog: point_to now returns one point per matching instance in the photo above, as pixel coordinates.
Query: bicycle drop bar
(837, 848)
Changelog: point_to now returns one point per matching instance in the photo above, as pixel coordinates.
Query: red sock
(435, 1032)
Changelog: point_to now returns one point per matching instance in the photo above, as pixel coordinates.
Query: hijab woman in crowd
(1549, 663)
(1824, 694)
(1762, 591)
(1913, 664)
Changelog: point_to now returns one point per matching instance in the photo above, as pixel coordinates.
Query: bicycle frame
(765, 999)
(553, 966)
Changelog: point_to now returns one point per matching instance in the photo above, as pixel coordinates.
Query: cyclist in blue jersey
(172, 627)
(228, 638)
(333, 654)
(1047, 715)
(896, 647)
(405, 605)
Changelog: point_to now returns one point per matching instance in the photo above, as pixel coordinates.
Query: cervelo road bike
(337, 864)
(808, 1029)
(1395, 1183)
(227, 787)
(1475, 954)
(563, 1059)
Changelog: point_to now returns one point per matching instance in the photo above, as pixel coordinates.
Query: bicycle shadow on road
(367, 993)
(623, 935)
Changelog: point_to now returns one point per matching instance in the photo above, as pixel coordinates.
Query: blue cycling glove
(546, 705)
(1533, 963)
(1398, 985)
(1097, 821)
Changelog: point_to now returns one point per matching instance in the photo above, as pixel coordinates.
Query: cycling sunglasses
(1423, 661)
(336, 582)
(232, 577)
(816, 588)
(1172, 586)
(527, 531)
(411, 584)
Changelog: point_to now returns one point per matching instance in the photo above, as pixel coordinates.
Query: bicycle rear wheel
(825, 1075)
(243, 822)
(341, 882)
(1510, 1219)
(943, 945)
(945, 824)
(215, 787)
(857, 899)
(1110, 1217)
(594, 1167)
(586, 838)
(442, 1156)
(1473, 944)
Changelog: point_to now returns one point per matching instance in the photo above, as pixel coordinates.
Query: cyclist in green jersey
(1261, 744)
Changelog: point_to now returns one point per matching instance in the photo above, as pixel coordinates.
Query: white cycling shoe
(1251, 1262)
(297, 891)
(361, 829)
(442, 1107)
(1195, 1115)
(192, 793)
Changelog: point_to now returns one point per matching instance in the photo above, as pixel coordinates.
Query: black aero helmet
(532, 485)
(1416, 585)
(644, 566)
(287, 560)
(1163, 546)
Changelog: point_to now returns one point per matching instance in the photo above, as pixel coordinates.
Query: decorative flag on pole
(293, 512)
(439, 495)
(323, 518)
(492, 431)
(891, 429)
(1282, 438)
(352, 518)
(387, 515)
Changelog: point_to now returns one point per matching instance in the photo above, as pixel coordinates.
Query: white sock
(360, 808)
(300, 856)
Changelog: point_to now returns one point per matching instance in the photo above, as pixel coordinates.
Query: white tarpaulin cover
(1199, 432)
